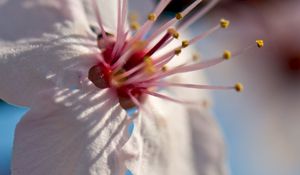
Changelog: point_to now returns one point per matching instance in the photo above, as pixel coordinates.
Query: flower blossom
(79, 65)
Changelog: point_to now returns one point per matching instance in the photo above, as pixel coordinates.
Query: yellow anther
(224, 23)
(227, 55)
(152, 17)
(239, 87)
(177, 51)
(118, 77)
(133, 16)
(185, 43)
(179, 16)
(139, 45)
(164, 68)
(134, 25)
(260, 43)
(206, 104)
(173, 32)
(149, 67)
(196, 57)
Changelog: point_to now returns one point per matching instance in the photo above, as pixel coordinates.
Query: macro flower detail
(129, 65)
(87, 68)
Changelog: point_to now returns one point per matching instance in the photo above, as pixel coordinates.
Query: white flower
(78, 69)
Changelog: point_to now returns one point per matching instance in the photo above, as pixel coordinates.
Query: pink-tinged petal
(176, 140)
(30, 66)
(71, 132)
(31, 18)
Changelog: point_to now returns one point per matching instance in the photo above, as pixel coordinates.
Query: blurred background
(9, 117)
(261, 125)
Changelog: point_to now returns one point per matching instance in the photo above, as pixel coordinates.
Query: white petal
(30, 66)
(177, 140)
(75, 132)
(207, 142)
(108, 12)
(32, 18)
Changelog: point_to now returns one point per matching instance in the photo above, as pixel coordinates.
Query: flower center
(106, 75)
(127, 66)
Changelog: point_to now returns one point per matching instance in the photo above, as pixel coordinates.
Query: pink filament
(159, 44)
(164, 97)
(122, 60)
(192, 86)
(174, 20)
(148, 24)
(119, 28)
(191, 68)
(139, 78)
(176, 70)
(96, 9)
(200, 14)
(204, 35)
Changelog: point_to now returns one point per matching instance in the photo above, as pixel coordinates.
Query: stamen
(227, 54)
(260, 43)
(133, 16)
(176, 70)
(152, 17)
(190, 68)
(239, 87)
(185, 43)
(130, 102)
(177, 51)
(102, 43)
(224, 23)
(164, 59)
(149, 68)
(126, 64)
(135, 101)
(133, 70)
(200, 14)
(134, 25)
(147, 25)
(174, 20)
(122, 12)
(173, 32)
(168, 56)
(205, 34)
(160, 62)
(159, 44)
(164, 68)
(133, 19)
(179, 16)
(96, 10)
(192, 86)
(196, 57)
(168, 98)
(122, 60)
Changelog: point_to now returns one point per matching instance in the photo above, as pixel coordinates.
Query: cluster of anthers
(126, 63)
